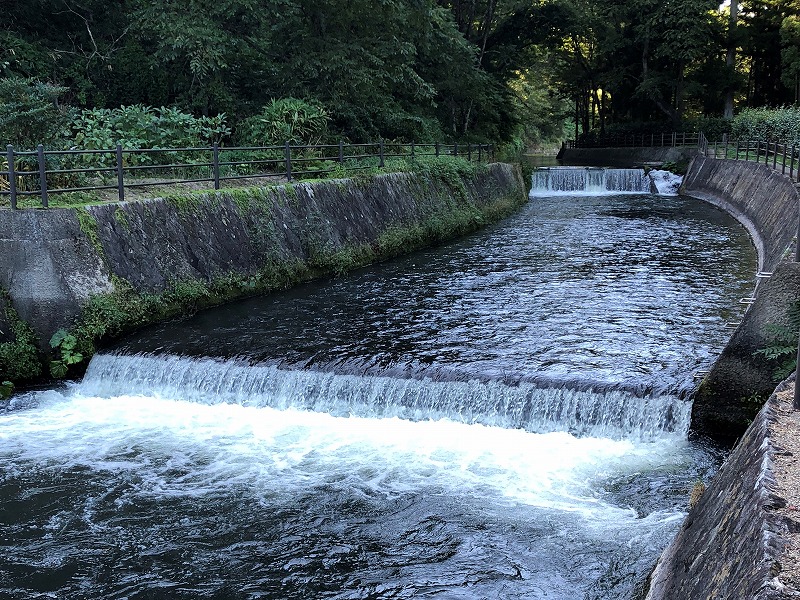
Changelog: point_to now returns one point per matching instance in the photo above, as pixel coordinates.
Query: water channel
(504, 416)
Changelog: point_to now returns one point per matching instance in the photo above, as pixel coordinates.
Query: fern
(782, 348)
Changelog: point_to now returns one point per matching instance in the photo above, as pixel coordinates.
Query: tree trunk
(730, 57)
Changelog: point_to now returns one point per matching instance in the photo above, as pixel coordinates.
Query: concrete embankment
(729, 547)
(766, 203)
(626, 157)
(99, 271)
(731, 544)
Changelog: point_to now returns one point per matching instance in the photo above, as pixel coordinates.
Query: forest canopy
(411, 70)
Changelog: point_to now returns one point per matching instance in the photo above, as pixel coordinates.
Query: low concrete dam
(504, 415)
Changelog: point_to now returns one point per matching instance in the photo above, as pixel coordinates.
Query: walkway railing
(781, 157)
(639, 140)
(46, 172)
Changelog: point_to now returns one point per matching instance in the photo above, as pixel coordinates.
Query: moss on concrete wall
(112, 268)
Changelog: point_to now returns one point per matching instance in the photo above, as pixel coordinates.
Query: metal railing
(781, 157)
(639, 140)
(43, 172)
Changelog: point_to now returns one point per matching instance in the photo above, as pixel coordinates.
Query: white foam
(666, 183)
(175, 447)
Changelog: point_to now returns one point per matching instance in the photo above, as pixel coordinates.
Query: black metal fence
(46, 172)
(781, 157)
(639, 140)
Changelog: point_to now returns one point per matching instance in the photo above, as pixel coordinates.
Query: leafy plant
(28, 113)
(782, 348)
(65, 344)
(6, 389)
(286, 119)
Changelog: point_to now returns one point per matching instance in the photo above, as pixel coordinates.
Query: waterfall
(614, 414)
(556, 181)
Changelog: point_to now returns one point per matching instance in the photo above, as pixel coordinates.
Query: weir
(614, 414)
(589, 181)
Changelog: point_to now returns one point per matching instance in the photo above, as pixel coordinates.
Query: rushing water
(501, 417)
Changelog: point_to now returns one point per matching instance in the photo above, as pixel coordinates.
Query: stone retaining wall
(136, 262)
(767, 204)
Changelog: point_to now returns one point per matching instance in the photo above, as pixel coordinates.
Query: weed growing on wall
(782, 348)
(19, 358)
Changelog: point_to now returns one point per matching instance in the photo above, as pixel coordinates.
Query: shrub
(29, 114)
(287, 119)
(768, 124)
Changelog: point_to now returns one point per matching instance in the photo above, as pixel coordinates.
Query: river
(504, 416)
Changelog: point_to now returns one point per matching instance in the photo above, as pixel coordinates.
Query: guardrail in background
(640, 140)
(45, 172)
(782, 157)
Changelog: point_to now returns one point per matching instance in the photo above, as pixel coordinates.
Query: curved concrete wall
(767, 204)
(731, 543)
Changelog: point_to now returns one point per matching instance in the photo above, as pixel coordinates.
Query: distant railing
(781, 157)
(46, 172)
(639, 140)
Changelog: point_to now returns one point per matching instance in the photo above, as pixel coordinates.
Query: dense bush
(285, 120)
(778, 125)
(140, 126)
(29, 113)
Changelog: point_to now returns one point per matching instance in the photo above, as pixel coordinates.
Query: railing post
(480, 152)
(341, 151)
(791, 164)
(747, 150)
(42, 174)
(783, 161)
(381, 152)
(412, 150)
(287, 153)
(469, 152)
(673, 139)
(437, 148)
(455, 149)
(12, 177)
(775, 155)
(120, 176)
(215, 151)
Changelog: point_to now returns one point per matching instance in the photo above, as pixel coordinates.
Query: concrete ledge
(626, 157)
(730, 544)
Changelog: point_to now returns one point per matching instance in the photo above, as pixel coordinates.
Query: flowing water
(501, 417)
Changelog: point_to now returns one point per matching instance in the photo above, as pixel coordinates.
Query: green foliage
(88, 225)
(66, 354)
(139, 126)
(29, 114)
(19, 358)
(285, 120)
(782, 349)
(6, 389)
(765, 124)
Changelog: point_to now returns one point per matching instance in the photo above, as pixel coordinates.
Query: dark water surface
(501, 417)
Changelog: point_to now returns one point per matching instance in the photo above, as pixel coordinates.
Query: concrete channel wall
(100, 270)
(767, 204)
(731, 544)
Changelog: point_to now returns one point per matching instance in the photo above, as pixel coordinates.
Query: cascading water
(501, 417)
(585, 181)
